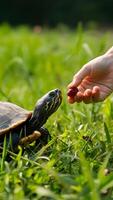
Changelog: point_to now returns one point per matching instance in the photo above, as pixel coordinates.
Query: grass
(72, 166)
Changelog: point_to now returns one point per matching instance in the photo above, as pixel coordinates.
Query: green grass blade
(4, 153)
(108, 137)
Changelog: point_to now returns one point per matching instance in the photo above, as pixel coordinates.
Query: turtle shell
(11, 116)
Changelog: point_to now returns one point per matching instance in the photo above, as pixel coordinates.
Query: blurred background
(51, 13)
(46, 38)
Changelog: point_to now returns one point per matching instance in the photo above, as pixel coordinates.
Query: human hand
(94, 80)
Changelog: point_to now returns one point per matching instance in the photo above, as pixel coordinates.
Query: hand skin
(94, 80)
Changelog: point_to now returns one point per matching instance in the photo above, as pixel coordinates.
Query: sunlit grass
(72, 165)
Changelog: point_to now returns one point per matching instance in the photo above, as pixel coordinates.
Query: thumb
(77, 79)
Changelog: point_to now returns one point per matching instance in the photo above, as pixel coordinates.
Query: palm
(98, 74)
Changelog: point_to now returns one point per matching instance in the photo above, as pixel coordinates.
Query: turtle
(21, 126)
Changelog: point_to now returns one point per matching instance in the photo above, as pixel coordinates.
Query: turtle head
(45, 107)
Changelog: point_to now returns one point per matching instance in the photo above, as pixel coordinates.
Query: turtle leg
(39, 142)
(44, 138)
(30, 138)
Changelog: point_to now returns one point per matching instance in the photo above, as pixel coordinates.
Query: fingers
(78, 98)
(88, 96)
(95, 93)
(77, 79)
(91, 96)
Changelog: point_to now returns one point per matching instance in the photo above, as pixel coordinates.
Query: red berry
(72, 91)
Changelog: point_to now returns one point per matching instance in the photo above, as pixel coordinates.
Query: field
(73, 165)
